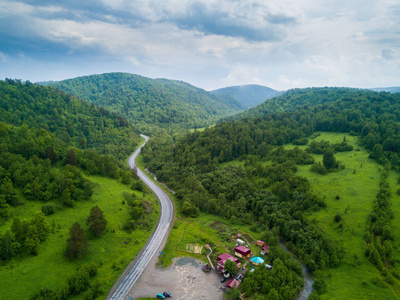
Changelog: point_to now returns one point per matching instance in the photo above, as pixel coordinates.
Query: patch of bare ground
(184, 279)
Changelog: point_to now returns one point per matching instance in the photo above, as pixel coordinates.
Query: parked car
(167, 294)
(160, 296)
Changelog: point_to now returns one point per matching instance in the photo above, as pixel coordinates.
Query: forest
(241, 170)
(54, 149)
(158, 103)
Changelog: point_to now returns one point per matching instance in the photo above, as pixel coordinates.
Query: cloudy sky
(208, 43)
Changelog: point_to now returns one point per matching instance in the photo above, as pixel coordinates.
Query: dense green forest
(241, 171)
(144, 101)
(52, 147)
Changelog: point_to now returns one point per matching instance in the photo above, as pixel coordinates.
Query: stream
(307, 277)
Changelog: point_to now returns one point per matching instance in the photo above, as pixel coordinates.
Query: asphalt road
(155, 240)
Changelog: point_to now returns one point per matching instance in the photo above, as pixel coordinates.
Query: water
(307, 277)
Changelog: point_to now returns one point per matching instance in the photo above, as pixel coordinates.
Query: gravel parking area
(184, 279)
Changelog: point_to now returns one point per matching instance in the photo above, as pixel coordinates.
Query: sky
(208, 43)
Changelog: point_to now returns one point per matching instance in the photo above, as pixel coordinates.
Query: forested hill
(75, 122)
(297, 98)
(242, 171)
(249, 95)
(158, 102)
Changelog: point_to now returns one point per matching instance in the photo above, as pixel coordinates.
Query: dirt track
(184, 280)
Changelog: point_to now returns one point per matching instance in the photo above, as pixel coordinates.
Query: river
(307, 277)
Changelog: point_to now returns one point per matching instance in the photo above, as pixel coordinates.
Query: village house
(264, 250)
(233, 283)
(261, 243)
(242, 252)
(222, 259)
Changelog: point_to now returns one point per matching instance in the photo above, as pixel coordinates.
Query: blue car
(160, 296)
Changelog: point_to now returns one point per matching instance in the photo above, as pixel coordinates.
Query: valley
(313, 169)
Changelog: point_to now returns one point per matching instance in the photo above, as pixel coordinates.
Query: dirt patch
(184, 280)
(249, 239)
(194, 248)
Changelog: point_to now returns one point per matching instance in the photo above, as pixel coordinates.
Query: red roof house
(261, 243)
(222, 259)
(242, 252)
(264, 250)
(232, 283)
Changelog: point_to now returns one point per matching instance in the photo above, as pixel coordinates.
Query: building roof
(257, 260)
(260, 242)
(265, 248)
(223, 257)
(242, 250)
(232, 283)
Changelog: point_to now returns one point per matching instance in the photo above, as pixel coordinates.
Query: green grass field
(205, 229)
(21, 277)
(357, 186)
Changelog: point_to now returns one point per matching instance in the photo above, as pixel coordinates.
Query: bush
(49, 208)
(319, 168)
(338, 217)
(44, 294)
(79, 282)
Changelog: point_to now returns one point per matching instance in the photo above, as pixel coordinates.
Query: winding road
(133, 272)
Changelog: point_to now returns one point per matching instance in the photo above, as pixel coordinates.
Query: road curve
(152, 245)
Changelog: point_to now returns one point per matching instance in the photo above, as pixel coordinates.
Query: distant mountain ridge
(145, 101)
(393, 89)
(249, 95)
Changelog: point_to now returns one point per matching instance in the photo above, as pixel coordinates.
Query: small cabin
(261, 243)
(264, 250)
(233, 283)
(242, 252)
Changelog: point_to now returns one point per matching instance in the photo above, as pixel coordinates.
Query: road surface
(151, 247)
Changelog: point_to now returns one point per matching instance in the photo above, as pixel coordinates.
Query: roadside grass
(112, 252)
(356, 187)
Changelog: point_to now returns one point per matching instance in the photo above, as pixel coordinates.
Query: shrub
(49, 208)
(338, 217)
(319, 168)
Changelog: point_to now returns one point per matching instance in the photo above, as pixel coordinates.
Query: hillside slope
(248, 95)
(282, 172)
(159, 102)
(75, 122)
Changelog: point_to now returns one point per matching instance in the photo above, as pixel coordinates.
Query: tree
(96, 221)
(230, 267)
(71, 158)
(329, 160)
(77, 246)
(32, 240)
(7, 192)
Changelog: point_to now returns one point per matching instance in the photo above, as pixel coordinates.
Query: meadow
(112, 252)
(351, 193)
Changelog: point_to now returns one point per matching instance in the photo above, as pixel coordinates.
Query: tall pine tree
(77, 246)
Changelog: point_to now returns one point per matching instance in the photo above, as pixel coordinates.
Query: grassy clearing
(356, 186)
(112, 252)
(206, 229)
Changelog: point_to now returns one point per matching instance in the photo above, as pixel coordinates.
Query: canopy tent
(257, 260)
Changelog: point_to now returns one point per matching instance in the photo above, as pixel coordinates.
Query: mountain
(297, 98)
(394, 89)
(158, 102)
(75, 122)
(248, 95)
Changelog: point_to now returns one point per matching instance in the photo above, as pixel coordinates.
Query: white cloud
(282, 44)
